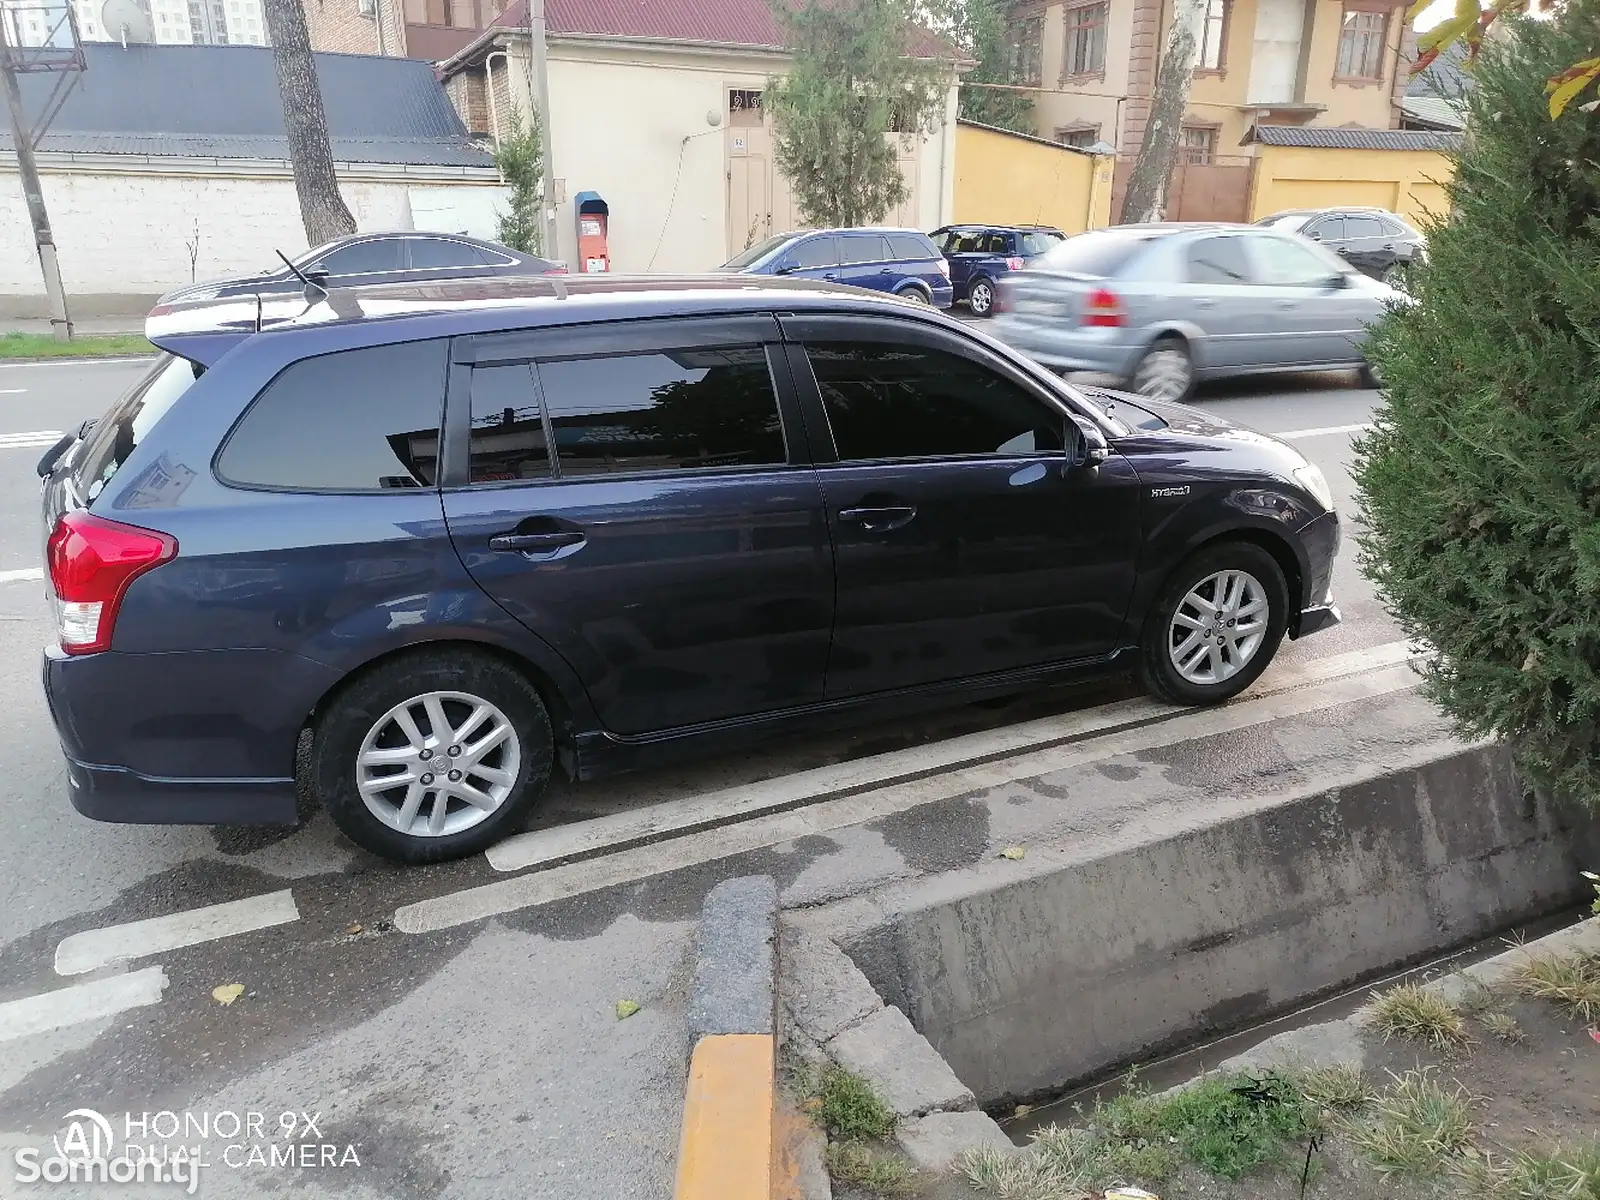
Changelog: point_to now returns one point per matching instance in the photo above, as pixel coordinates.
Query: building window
(1081, 136)
(1197, 145)
(1027, 53)
(1361, 39)
(1086, 40)
(1214, 36)
(744, 108)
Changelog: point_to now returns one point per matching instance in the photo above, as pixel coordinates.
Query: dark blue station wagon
(904, 262)
(418, 547)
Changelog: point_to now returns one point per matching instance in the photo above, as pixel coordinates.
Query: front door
(629, 498)
(1314, 322)
(963, 543)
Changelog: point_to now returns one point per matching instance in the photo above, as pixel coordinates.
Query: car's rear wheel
(916, 295)
(1166, 372)
(433, 755)
(980, 298)
(1215, 625)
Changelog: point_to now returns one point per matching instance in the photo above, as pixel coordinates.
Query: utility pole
(541, 75)
(44, 240)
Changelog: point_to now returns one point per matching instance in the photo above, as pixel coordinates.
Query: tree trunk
(1146, 197)
(322, 209)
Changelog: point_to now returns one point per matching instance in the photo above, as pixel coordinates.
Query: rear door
(864, 262)
(1223, 297)
(963, 545)
(638, 497)
(1367, 247)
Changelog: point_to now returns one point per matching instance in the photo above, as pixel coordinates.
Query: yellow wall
(1002, 178)
(1409, 182)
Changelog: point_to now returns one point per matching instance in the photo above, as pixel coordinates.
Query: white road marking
(642, 862)
(95, 948)
(113, 361)
(12, 391)
(22, 574)
(81, 1002)
(898, 766)
(1307, 433)
(39, 437)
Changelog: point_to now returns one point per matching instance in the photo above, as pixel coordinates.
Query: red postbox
(594, 256)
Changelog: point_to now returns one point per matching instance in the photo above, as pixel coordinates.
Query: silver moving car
(1163, 306)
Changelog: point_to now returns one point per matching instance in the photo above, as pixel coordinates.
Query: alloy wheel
(438, 764)
(981, 298)
(1218, 626)
(1163, 374)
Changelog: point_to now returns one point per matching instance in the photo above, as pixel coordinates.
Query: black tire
(916, 295)
(980, 297)
(342, 729)
(1157, 669)
(1164, 352)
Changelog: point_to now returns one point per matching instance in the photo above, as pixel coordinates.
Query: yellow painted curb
(726, 1149)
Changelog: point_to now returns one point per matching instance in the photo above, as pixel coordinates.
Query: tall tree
(983, 27)
(520, 157)
(322, 209)
(854, 82)
(1146, 197)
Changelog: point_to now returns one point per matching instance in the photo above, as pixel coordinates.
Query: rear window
(356, 421)
(912, 246)
(1101, 253)
(117, 433)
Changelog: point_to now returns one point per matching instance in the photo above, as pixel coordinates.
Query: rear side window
(670, 411)
(1102, 253)
(1218, 260)
(887, 402)
(864, 248)
(441, 252)
(1363, 227)
(356, 421)
(508, 434)
(906, 246)
(117, 433)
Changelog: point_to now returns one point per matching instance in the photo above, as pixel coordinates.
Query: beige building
(657, 107)
(1274, 62)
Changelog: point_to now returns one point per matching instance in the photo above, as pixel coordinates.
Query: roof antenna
(301, 276)
(258, 312)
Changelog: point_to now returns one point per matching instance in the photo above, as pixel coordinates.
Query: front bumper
(1321, 539)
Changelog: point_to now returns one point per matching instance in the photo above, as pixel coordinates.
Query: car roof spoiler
(202, 348)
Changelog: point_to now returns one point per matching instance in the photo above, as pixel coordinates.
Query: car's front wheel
(1215, 625)
(433, 755)
(980, 298)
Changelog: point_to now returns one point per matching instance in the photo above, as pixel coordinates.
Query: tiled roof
(1445, 114)
(1446, 76)
(730, 22)
(1351, 138)
(222, 102)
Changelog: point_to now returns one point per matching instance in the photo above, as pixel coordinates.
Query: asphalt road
(453, 1061)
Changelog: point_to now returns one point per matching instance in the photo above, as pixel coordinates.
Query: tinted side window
(359, 420)
(1362, 227)
(814, 252)
(507, 439)
(1218, 260)
(1393, 227)
(860, 248)
(908, 402)
(384, 254)
(1329, 229)
(909, 247)
(671, 411)
(441, 252)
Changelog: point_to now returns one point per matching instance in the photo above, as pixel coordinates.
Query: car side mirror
(785, 269)
(318, 276)
(1086, 445)
(1339, 281)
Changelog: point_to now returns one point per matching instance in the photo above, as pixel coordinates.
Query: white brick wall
(124, 235)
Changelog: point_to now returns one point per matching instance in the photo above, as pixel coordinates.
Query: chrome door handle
(526, 542)
(885, 517)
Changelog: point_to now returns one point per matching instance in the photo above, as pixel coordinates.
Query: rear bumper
(1068, 348)
(944, 297)
(128, 798)
(1316, 619)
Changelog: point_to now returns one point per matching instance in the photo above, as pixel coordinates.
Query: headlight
(1314, 481)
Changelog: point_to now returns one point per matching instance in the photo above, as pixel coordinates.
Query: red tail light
(161, 310)
(91, 562)
(558, 269)
(1103, 310)
(1014, 264)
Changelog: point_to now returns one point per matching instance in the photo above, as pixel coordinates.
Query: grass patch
(848, 1108)
(1571, 980)
(1503, 1027)
(1565, 1174)
(1416, 1129)
(1338, 1089)
(862, 1166)
(1064, 1162)
(42, 345)
(1414, 1013)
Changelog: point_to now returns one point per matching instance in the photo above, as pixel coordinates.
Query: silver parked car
(1163, 306)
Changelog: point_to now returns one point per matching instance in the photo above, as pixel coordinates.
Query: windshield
(1035, 244)
(1100, 253)
(122, 428)
(1292, 221)
(756, 253)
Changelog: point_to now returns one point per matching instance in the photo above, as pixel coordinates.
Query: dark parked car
(902, 261)
(979, 255)
(1373, 241)
(614, 518)
(364, 259)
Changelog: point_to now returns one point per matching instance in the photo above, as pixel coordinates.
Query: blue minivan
(980, 254)
(902, 261)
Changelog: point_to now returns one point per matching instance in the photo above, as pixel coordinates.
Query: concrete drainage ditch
(969, 991)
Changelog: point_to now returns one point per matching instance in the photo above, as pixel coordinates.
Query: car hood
(1157, 418)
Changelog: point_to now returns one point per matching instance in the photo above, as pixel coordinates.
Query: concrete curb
(728, 1147)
